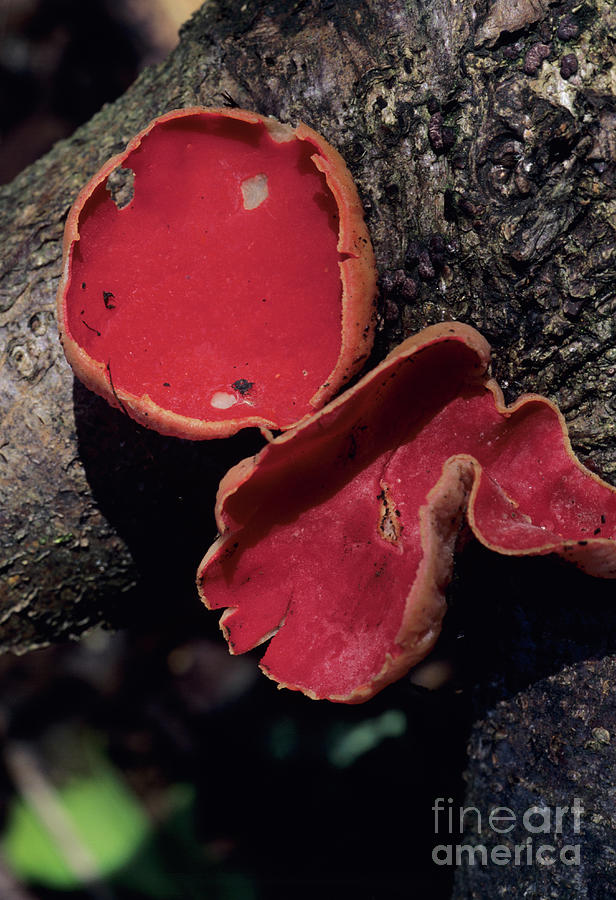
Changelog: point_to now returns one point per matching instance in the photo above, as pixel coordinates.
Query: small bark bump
(535, 57)
(568, 65)
(568, 28)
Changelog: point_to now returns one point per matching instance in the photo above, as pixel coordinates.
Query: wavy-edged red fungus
(336, 541)
(236, 287)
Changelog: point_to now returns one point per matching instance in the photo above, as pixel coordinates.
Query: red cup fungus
(336, 541)
(235, 288)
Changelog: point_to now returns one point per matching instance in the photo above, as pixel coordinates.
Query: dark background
(60, 60)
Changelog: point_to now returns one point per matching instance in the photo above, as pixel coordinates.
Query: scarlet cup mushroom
(336, 541)
(235, 288)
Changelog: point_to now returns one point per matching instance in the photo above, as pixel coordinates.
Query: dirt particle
(90, 328)
(389, 526)
(242, 386)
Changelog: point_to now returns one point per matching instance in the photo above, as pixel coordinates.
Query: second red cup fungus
(336, 541)
(235, 287)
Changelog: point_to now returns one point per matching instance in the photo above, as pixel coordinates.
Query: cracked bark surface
(487, 171)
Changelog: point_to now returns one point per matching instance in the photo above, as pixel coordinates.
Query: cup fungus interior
(216, 290)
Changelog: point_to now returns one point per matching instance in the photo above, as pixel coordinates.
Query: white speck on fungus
(254, 191)
(222, 400)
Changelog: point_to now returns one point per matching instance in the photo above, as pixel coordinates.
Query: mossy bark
(487, 171)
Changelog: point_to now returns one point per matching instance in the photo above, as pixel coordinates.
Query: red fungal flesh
(215, 304)
(338, 539)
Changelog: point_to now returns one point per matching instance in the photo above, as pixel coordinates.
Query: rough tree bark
(487, 169)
